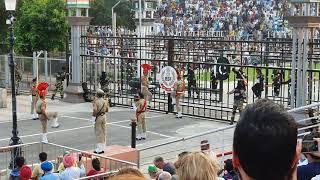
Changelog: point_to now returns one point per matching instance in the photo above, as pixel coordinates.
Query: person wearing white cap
(100, 109)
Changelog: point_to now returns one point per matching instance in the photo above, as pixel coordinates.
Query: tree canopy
(101, 12)
(41, 25)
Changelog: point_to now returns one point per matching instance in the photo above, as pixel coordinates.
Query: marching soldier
(179, 89)
(61, 76)
(145, 83)
(34, 98)
(239, 97)
(18, 78)
(141, 108)
(41, 109)
(100, 110)
(214, 80)
(257, 88)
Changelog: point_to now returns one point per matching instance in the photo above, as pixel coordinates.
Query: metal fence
(122, 56)
(220, 140)
(55, 153)
(28, 68)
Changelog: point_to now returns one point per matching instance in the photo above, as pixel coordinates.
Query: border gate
(121, 57)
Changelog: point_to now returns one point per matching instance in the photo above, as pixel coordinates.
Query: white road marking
(84, 127)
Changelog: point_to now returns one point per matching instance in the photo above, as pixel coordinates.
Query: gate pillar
(78, 17)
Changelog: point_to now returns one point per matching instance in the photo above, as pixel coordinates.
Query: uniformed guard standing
(100, 110)
(34, 96)
(60, 77)
(192, 83)
(257, 88)
(277, 83)
(18, 78)
(41, 109)
(141, 108)
(145, 83)
(239, 97)
(179, 89)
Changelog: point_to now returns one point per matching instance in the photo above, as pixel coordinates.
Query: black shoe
(98, 152)
(138, 139)
(52, 98)
(143, 138)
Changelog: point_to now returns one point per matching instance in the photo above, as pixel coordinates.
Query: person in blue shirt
(47, 169)
(310, 170)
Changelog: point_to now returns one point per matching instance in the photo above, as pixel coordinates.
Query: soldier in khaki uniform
(239, 97)
(34, 98)
(141, 107)
(41, 109)
(145, 83)
(179, 89)
(100, 109)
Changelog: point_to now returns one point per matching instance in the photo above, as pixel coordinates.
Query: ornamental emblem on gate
(168, 77)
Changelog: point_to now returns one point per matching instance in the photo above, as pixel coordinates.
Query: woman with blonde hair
(197, 166)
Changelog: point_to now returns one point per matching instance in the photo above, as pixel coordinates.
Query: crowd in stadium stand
(239, 18)
(270, 151)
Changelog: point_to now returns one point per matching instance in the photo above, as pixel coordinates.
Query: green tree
(41, 25)
(101, 12)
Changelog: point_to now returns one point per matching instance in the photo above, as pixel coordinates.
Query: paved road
(76, 130)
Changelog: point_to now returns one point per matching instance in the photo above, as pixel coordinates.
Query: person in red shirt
(96, 169)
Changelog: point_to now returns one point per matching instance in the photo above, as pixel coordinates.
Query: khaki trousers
(100, 129)
(44, 121)
(178, 106)
(33, 103)
(141, 123)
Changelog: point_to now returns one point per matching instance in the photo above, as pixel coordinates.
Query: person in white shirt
(72, 172)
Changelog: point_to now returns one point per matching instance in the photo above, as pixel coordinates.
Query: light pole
(15, 140)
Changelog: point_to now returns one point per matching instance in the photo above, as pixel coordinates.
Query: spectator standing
(265, 143)
(37, 171)
(71, 172)
(310, 170)
(168, 167)
(19, 163)
(25, 173)
(48, 174)
(96, 168)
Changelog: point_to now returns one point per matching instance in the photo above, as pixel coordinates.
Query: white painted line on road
(2, 122)
(84, 127)
(151, 132)
(116, 122)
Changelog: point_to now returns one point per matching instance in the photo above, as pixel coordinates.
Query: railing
(27, 67)
(220, 141)
(55, 153)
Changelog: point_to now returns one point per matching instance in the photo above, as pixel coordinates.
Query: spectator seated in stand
(153, 172)
(197, 166)
(25, 173)
(71, 172)
(310, 170)
(128, 174)
(37, 171)
(229, 172)
(96, 168)
(168, 167)
(164, 176)
(265, 143)
(47, 168)
(15, 173)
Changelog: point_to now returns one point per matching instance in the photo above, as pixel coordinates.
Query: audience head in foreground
(265, 143)
(197, 166)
